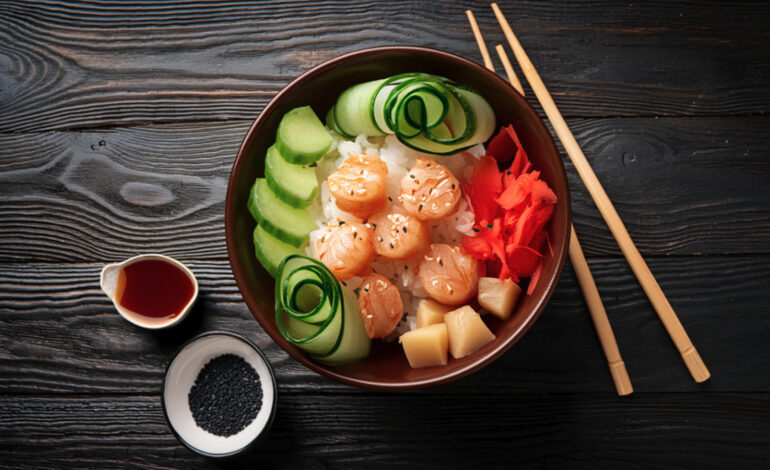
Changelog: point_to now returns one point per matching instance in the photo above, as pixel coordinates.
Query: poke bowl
(385, 365)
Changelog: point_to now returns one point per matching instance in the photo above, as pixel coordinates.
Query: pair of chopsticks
(643, 274)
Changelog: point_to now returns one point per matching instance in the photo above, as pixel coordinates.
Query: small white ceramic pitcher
(109, 282)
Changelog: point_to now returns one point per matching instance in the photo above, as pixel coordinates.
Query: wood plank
(490, 429)
(94, 65)
(61, 334)
(682, 186)
(79, 387)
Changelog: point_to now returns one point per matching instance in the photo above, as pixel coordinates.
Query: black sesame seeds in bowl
(226, 395)
(219, 394)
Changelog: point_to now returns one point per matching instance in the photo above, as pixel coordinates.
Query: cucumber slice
(295, 185)
(332, 124)
(352, 112)
(302, 137)
(328, 325)
(471, 112)
(288, 224)
(378, 105)
(426, 112)
(355, 343)
(270, 251)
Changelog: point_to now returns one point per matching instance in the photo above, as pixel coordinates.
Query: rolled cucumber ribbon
(317, 314)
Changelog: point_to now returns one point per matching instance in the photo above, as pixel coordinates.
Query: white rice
(399, 159)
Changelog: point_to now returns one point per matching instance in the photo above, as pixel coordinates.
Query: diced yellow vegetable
(430, 313)
(467, 331)
(427, 346)
(498, 296)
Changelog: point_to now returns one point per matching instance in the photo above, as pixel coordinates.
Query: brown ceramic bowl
(386, 367)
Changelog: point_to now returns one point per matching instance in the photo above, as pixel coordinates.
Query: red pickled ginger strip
(486, 184)
(511, 211)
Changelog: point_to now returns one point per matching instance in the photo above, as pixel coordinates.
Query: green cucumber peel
(270, 251)
(428, 113)
(301, 137)
(333, 330)
(286, 223)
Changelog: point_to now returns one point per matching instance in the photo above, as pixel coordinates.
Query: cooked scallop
(359, 184)
(429, 191)
(449, 274)
(398, 236)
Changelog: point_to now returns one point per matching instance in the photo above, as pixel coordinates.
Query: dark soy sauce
(154, 288)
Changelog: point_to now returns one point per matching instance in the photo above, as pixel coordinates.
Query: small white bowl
(180, 377)
(109, 282)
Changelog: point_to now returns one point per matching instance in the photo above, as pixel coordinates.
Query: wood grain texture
(119, 123)
(95, 64)
(665, 431)
(681, 185)
(62, 335)
(660, 303)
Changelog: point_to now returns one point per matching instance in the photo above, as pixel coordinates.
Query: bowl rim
(273, 383)
(447, 377)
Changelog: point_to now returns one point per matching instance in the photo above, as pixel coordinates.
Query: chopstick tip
(695, 364)
(620, 378)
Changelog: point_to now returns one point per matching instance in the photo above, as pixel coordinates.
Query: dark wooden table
(118, 127)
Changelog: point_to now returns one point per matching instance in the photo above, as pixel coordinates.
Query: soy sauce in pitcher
(153, 288)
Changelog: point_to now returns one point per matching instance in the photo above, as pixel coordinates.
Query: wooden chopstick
(480, 41)
(658, 299)
(515, 82)
(599, 316)
(586, 281)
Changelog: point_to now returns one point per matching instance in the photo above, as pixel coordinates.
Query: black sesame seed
(441, 262)
(379, 239)
(344, 284)
(354, 235)
(411, 176)
(428, 165)
(454, 186)
(342, 222)
(357, 290)
(406, 268)
(391, 245)
(476, 230)
(374, 225)
(490, 225)
(419, 208)
(508, 172)
(313, 165)
(366, 288)
(404, 228)
(390, 199)
(226, 395)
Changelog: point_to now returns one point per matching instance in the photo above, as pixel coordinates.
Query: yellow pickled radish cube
(498, 296)
(467, 331)
(426, 346)
(430, 313)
